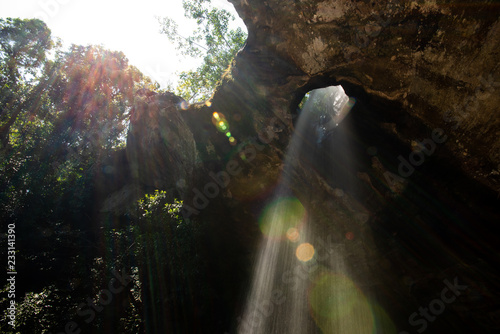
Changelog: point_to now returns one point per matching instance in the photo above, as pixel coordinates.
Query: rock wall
(160, 146)
(419, 201)
(438, 60)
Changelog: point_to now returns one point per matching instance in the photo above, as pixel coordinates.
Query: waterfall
(301, 282)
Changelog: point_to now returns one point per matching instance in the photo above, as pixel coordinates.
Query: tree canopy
(64, 114)
(213, 40)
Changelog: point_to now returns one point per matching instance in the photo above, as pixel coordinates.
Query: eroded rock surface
(426, 78)
(438, 60)
(160, 146)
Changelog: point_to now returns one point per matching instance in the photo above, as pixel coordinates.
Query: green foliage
(39, 311)
(23, 48)
(23, 44)
(99, 86)
(62, 121)
(168, 257)
(60, 118)
(161, 230)
(213, 40)
(152, 202)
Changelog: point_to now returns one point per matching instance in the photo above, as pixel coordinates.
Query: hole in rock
(324, 109)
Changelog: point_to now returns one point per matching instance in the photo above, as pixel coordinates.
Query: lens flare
(293, 234)
(262, 181)
(220, 122)
(305, 252)
(383, 321)
(184, 105)
(338, 306)
(281, 215)
(208, 104)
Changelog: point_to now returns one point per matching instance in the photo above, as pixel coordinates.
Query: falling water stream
(301, 282)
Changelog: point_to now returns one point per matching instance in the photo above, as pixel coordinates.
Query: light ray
(301, 283)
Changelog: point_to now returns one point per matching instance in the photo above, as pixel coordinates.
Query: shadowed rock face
(437, 60)
(160, 146)
(418, 202)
